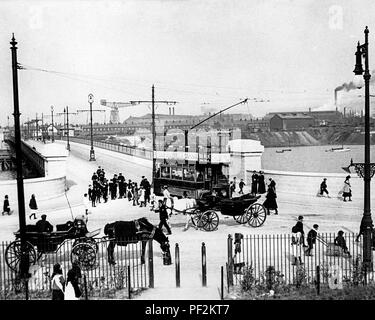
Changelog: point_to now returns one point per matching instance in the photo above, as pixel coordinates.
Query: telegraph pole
(24, 261)
(153, 127)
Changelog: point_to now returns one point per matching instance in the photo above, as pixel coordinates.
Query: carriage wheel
(243, 218)
(13, 254)
(85, 254)
(257, 214)
(196, 218)
(210, 220)
(91, 241)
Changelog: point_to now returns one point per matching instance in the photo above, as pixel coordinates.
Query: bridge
(331, 215)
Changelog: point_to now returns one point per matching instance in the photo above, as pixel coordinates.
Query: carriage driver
(43, 225)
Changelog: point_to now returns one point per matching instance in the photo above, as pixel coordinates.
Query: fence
(274, 254)
(132, 151)
(100, 280)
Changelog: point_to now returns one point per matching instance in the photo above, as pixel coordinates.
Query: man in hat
(311, 239)
(167, 196)
(43, 225)
(299, 228)
(323, 188)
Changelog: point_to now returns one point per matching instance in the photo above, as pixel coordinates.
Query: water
(313, 158)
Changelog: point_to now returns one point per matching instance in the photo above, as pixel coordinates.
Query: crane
(115, 116)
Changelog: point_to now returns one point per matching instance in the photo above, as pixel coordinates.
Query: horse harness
(138, 227)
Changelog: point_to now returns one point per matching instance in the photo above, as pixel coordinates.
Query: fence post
(129, 283)
(230, 260)
(85, 284)
(150, 264)
(318, 280)
(204, 267)
(227, 271)
(222, 284)
(177, 263)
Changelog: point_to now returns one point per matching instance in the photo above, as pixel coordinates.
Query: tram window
(165, 172)
(188, 174)
(177, 173)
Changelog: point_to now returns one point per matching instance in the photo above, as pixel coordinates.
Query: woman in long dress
(270, 202)
(261, 184)
(73, 290)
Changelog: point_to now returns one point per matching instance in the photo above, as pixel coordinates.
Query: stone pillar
(245, 156)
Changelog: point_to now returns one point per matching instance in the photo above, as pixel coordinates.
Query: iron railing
(275, 253)
(101, 280)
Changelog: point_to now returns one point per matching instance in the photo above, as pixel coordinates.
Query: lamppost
(53, 135)
(92, 152)
(365, 170)
(24, 255)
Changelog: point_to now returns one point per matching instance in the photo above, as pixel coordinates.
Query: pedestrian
(311, 239)
(135, 194)
(270, 202)
(93, 198)
(163, 216)
(298, 227)
(99, 171)
(261, 184)
(86, 203)
(241, 185)
(58, 283)
(94, 177)
(231, 188)
(130, 191)
(147, 187)
(33, 207)
(347, 189)
(121, 182)
(340, 242)
(141, 196)
(114, 188)
(323, 188)
(105, 190)
(89, 192)
(6, 207)
(73, 290)
(297, 240)
(96, 192)
(254, 183)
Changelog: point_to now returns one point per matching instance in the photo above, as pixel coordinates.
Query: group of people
(298, 241)
(345, 192)
(117, 188)
(258, 185)
(69, 289)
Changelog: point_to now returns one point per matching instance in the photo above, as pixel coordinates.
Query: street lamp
(53, 136)
(365, 170)
(92, 152)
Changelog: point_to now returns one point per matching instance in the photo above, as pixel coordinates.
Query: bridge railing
(132, 151)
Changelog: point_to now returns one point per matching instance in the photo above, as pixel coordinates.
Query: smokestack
(169, 110)
(173, 110)
(336, 99)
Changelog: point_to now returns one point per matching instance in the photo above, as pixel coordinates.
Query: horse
(125, 232)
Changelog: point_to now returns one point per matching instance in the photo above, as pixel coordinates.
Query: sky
(203, 53)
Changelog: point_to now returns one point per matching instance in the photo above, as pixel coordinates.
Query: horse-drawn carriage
(244, 209)
(84, 247)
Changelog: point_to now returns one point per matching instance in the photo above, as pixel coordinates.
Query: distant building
(293, 121)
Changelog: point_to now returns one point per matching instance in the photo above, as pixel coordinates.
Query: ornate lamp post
(365, 170)
(53, 135)
(92, 152)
